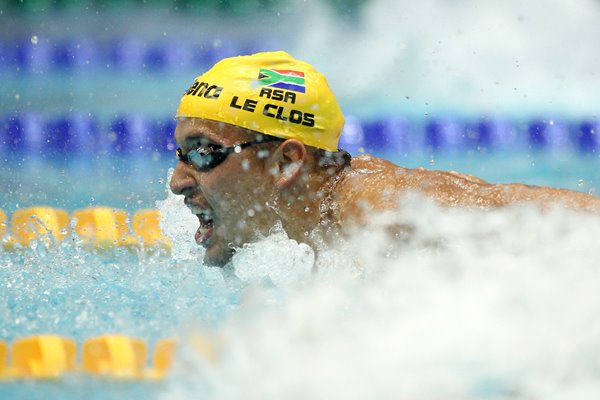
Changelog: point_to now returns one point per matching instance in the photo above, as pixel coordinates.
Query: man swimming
(258, 138)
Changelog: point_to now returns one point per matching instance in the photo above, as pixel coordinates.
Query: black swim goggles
(208, 156)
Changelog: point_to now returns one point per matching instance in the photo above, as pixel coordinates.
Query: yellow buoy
(146, 225)
(43, 356)
(115, 356)
(3, 372)
(103, 227)
(3, 224)
(164, 352)
(39, 222)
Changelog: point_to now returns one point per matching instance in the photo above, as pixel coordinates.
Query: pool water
(477, 304)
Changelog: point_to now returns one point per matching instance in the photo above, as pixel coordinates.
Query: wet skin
(242, 198)
(229, 199)
(374, 184)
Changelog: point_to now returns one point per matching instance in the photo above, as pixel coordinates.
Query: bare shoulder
(375, 184)
(371, 184)
(367, 162)
(368, 165)
(375, 174)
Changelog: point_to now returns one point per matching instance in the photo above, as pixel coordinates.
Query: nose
(181, 180)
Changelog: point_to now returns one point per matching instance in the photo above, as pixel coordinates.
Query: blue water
(277, 318)
(497, 305)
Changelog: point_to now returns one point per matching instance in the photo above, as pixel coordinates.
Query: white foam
(476, 305)
(278, 259)
(179, 225)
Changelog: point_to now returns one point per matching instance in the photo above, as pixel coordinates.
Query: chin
(217, 256)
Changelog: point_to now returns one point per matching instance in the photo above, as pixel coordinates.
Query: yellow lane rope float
(97, 227)
(107, 356)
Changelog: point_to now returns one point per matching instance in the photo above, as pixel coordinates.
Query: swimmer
(258, 144)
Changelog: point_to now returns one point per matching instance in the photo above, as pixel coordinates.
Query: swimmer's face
(230, 198)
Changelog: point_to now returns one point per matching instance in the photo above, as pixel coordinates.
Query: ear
(286, 162)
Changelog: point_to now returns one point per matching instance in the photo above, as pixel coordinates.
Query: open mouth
(206, 228)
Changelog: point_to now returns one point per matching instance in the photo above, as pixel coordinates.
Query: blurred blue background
(505, 90)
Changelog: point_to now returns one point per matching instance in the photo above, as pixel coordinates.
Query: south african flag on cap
(282, 79)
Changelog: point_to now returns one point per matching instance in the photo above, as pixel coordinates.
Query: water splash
(471, 304)
(475, 305)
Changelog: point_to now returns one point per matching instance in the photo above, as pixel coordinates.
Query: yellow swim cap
(271, 93)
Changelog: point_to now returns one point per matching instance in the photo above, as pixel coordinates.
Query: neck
(310, 207)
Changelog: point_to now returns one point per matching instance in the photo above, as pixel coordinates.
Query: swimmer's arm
(383, 195)
(546, 197)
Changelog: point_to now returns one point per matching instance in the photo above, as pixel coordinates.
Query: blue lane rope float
(127, 53)
(127, 134)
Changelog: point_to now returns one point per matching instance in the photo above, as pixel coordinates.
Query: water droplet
(245, 165)
(111, 136)
(262, 154)
(34, 39)
(580, 183)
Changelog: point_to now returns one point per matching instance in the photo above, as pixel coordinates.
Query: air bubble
(34, 39)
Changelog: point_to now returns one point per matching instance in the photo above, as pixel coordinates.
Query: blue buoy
(34, 54)
(172, 55)
(24, 132)
(128, 53)
(163, 135)
(393, 134)
(588, 136)
(72, 132)
(549, 135)
(12, 133)
(8, 56)
(76, 53)
(494, 134)
(352, 138)
(131, 134)
(209, 52)
(444, 135)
